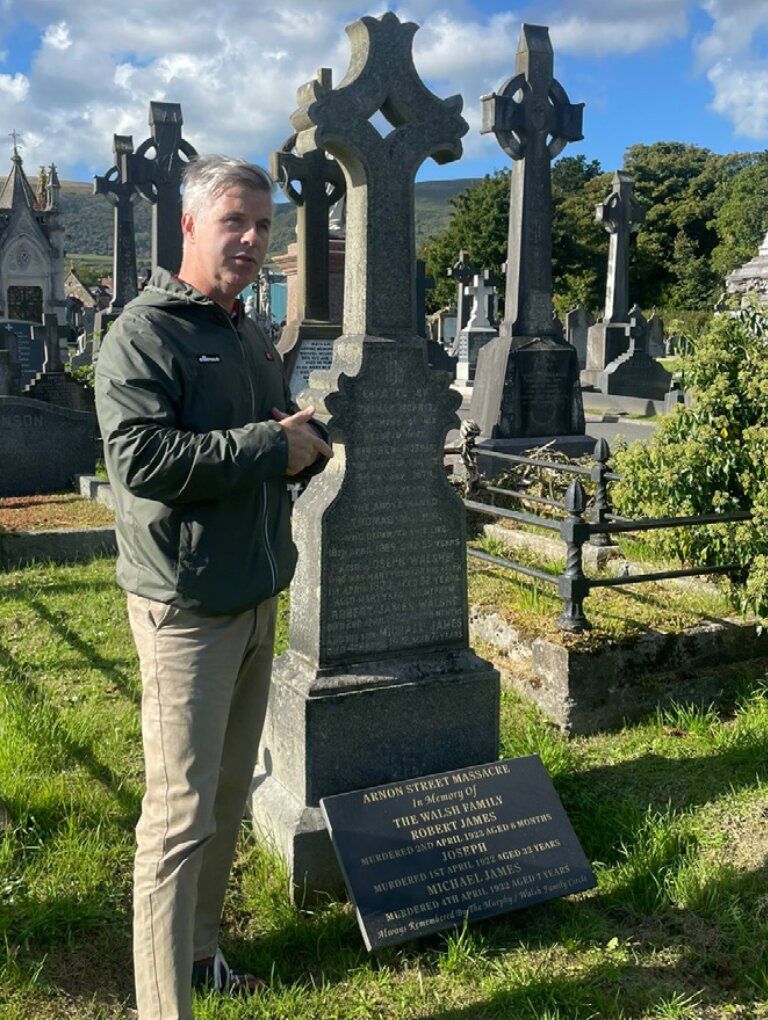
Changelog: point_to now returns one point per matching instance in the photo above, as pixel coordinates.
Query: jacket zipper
(270, 556)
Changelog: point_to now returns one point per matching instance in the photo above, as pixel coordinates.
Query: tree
(742, 219)
(712, 456)
(682, 187)
(479, 226)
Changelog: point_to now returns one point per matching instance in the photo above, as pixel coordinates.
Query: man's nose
(250, 236)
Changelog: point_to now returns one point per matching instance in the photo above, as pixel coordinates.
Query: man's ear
(188, 226)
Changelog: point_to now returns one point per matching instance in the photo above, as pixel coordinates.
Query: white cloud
(57, 36)
(736, 65)
(741, 95)
(15, 86)
(235, 68)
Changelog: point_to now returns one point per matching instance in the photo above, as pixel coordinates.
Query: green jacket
(184, 398)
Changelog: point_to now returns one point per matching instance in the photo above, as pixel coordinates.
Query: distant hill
(88, 220)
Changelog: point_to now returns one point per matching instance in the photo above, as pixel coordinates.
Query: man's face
(226, 243)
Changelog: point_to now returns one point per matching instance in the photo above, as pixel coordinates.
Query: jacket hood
(164, 290)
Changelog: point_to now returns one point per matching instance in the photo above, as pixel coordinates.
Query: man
(199, 436)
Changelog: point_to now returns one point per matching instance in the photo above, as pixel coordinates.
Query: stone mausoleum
(31, 246)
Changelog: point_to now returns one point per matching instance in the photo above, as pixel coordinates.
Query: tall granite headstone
(656, 336)
(619, 360)
(315, 184)
(119, 189)
(157, 178)
(621, 214)
(378, 658)
(479, 328)
(527, 380)
(10, 366)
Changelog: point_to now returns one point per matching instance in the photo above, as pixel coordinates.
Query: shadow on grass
(123, 681)
(78, 751)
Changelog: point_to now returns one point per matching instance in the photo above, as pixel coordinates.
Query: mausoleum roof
(17, 189)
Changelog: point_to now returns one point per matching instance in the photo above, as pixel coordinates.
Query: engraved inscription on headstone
(314, 355)
(426, 854)
(412, 590)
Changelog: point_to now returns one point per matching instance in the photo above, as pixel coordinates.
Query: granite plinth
(439, 358)
(606, 341)
(62, 389)
(527, 388)
(330, 731)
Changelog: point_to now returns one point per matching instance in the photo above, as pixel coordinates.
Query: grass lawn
(673, 813)
(57, 510)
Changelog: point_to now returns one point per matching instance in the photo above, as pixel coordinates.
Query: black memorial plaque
(425, 854)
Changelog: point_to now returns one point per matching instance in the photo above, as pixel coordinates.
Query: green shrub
(712, 457)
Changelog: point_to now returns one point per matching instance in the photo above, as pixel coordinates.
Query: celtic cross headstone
(158, 180)
(314, 182)
(379, 625)
(479, 329)
(463, 272)
(518, 397)
(119, 189)
(621, 214)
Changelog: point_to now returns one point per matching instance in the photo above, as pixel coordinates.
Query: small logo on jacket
(209, 359)
(268, 356)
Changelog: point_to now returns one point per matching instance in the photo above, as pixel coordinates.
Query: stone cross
(423, 284)
(158, 180)
(380, 274)
(533, 120)
(621, 214)
(462, 271)
(118, 188)
(321, 186)
(482, 290)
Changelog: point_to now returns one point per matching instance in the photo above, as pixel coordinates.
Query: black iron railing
(583, 521)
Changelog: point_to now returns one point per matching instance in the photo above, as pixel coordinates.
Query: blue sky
(648, 70)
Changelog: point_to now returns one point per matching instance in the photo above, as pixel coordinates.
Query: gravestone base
(364, 724)
(635, 374)
(306, 347)
(471, 342)
(606, 341)
(61, 389)
(527, 387)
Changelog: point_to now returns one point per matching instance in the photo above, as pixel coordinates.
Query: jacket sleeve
(139, 386)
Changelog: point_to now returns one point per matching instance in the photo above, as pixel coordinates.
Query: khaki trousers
(205, 683)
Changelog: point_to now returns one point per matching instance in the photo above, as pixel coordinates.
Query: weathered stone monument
(619, 361)
(120, 191)
(479, 328)
(307, 339)
(621, 214)
(437, 356)
(527, 380)
(656, 335)
(157, 179)
(750, 281)
(378, 659)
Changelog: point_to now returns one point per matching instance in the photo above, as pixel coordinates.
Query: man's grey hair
(207, 177)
